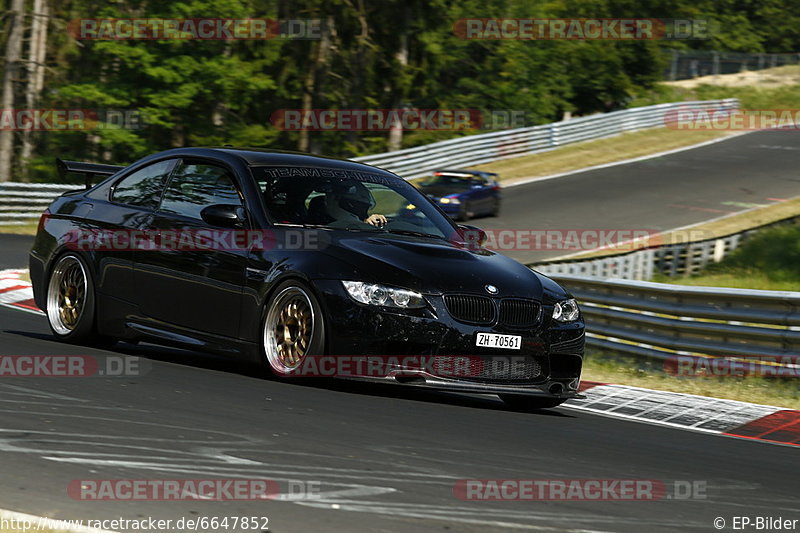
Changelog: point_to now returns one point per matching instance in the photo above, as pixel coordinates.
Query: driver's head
(351, 196)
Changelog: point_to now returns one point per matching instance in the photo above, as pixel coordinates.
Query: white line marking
(36, 393)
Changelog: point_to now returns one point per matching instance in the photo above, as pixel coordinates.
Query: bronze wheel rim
(288, 330)
(66, 295)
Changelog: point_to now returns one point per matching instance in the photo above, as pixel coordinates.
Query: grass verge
(767, 261)
(765, 79)
(19, 229)
(598, 152)
(777, 88)
(621, 370)
(745, 279)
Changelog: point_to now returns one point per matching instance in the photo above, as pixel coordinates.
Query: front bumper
(449, 209)
(425, 380)
(354, 329)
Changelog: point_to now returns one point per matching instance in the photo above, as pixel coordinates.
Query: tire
(496, 211)
(465, 213)
(70, 302)
(530, 403)
(293, 327)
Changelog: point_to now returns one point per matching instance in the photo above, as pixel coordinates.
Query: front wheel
(465, 213)
(294, 327)
(529, 403)
(71, 301)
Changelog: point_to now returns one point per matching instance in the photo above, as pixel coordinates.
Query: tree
(10, 76)
(37, 50)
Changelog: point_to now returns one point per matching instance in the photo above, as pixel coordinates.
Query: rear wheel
(496, 209)
(294, 327)
(529, 403)
(465, 213)
(71, 301)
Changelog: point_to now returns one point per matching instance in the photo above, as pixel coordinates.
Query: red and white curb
(690, 412)
(16, 292)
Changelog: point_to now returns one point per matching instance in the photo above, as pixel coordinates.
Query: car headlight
(374, 294)
(446, 200)
(566, 311)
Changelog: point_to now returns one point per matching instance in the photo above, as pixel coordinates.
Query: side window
(143, 188)
(195, 186)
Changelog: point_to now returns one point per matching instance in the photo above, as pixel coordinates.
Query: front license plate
(495, 340)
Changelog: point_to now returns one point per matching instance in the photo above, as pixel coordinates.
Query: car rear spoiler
(89, 170)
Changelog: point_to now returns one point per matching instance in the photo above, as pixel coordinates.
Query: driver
(350, 202)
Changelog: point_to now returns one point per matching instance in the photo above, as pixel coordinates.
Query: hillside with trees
(369, 55)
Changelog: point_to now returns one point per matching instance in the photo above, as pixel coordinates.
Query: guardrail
(488, 147)
(685, 64)
(661, 321)
(22, 202)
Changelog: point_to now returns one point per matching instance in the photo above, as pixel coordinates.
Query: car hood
(431, 266)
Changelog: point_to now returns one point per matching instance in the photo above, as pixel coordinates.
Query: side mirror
(472, 235)
(223, 215)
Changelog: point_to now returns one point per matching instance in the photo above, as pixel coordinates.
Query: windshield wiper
(415, 233)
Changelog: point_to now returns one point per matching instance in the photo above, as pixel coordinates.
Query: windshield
(454, 180)
(349, 200)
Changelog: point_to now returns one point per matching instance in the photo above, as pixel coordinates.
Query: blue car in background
(463, 194)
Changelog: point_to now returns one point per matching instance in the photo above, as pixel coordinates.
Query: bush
(773, 252)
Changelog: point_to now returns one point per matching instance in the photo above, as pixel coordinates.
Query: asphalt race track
(14, 251)
(657, 194)
(387, 458)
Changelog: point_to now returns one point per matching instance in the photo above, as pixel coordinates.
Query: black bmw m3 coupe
(284, 257)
